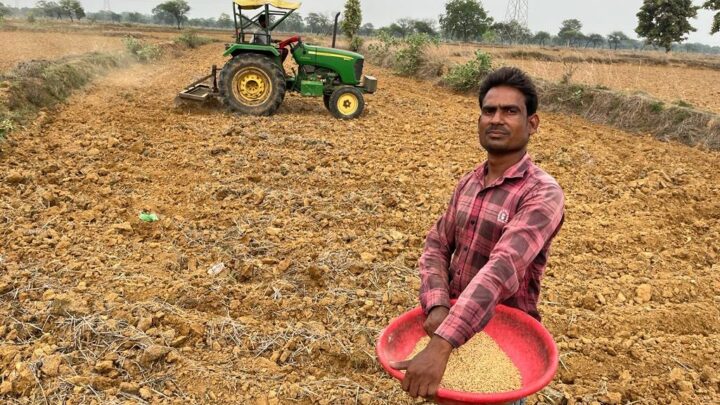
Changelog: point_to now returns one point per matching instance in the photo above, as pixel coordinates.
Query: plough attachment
(201, 90)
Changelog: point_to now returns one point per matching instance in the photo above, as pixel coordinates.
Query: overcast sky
(597, 16)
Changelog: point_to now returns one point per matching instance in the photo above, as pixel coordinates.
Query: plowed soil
(25, 46)
(319, 224)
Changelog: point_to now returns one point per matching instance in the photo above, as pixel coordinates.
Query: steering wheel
(289, 41)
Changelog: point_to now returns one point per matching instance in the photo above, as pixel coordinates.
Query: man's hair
(263, 18)
(511, 77)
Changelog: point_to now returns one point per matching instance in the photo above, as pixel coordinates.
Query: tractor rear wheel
(252, 84)
(346, 102)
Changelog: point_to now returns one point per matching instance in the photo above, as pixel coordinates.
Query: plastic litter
(146, 216)
(216, 269)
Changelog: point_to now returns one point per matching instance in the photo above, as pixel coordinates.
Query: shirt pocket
(492, 222)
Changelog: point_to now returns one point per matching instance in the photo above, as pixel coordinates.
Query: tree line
(661, 24)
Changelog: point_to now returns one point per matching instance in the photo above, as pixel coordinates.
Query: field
(319, 224)
(683, 79)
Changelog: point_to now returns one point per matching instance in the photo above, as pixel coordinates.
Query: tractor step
(199, 91)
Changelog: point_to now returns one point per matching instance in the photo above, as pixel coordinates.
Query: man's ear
(533, 123)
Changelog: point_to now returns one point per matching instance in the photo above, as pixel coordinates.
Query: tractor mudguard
(235, 49)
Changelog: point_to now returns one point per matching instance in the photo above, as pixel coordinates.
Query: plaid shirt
(490, 246)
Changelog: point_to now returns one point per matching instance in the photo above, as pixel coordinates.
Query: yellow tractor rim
(252, 86)
(347, 104)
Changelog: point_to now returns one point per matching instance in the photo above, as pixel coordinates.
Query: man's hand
(436, 316)
(425, 371)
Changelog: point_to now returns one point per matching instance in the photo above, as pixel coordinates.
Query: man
(491, 245)
(261, 37)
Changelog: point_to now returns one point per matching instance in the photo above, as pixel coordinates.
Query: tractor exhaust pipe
(335, 29)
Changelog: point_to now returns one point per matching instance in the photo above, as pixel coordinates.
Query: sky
(597, 16)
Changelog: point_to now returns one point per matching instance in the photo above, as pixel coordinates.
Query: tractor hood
(348, 65)
(333, 52)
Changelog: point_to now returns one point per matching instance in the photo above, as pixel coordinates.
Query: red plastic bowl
(528, 344)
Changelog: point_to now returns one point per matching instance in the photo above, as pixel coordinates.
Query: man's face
(504, 126)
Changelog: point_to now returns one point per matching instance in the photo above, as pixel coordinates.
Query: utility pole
(517, 10)
(106, 5)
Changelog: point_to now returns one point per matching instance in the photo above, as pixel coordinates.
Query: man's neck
(498, 164)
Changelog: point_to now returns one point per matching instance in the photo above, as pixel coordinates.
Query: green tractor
(254, 81)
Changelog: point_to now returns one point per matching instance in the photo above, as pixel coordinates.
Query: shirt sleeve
(435, 260)
(534, 225)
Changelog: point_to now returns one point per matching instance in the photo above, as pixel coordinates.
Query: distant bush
(469, 75)
(191, 39)
(141, 50)
(381, 52)
(356, 43)
(411, 55)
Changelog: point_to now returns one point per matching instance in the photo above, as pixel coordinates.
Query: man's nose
(497, 117)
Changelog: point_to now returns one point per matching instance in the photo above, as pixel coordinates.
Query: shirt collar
(515, 171)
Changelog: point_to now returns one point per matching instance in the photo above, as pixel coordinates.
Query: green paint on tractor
(254, 81)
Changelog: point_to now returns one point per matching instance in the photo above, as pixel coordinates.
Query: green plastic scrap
(146, 216)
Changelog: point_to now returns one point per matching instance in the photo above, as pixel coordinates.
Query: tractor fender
(236, 49)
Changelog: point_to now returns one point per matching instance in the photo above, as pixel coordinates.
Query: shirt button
(465, 248)
(472, 222)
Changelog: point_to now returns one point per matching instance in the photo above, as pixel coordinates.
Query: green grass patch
(683, 103)
(657, 106)
(191, 39)
(141, 50)
(467, 76)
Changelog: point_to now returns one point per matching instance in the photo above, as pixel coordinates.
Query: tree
(714, 5)
(293, 23)
(318, 23)
(511, 32)
(134, 17)
(405, 26)
(3, 11)
(616, 38)
(224, 21)
(424, 27)
(367, 29)
(465, 19)
(71, 8)
(541, 37)
(570, 31)
(50, 9)
(178, 9)
(595, 40)
(662, 22)
(352, 19)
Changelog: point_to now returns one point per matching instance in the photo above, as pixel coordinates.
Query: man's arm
(533, 226)
(435, 260)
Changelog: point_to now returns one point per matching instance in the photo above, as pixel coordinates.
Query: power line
(517, 10)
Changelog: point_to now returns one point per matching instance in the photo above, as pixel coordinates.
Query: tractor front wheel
(252, 84)
(346, 102)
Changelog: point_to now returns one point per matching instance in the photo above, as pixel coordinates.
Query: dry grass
(635, 113)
